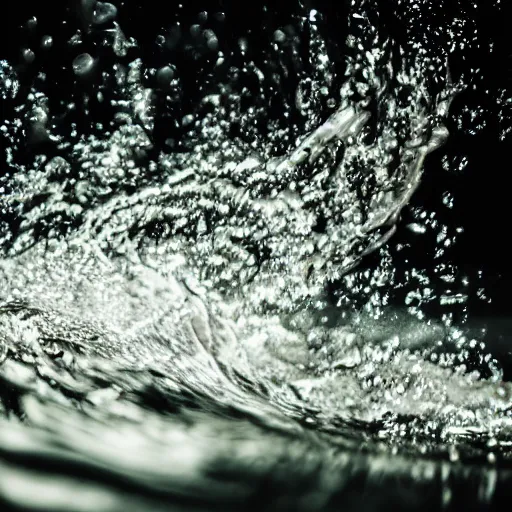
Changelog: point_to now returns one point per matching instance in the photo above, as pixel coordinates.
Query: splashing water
(181, 309)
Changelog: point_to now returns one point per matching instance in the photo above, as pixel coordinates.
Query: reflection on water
(184, 320)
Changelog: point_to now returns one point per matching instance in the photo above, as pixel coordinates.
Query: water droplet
(187, 120)
(28, 56)
(83, 65)
(46, 42)
(165, 76)
(9, 84)
(448, 199)
(104, 13)
(211, 40)
(243, 44)
(453, 454)
(492, 442)
(195, 30)
(32, 23)
(279, 36)
(418, 229)
(213, 43)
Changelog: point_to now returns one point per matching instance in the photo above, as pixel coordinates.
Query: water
(204, 299)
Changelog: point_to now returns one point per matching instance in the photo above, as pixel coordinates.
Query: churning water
(185, 319)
